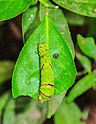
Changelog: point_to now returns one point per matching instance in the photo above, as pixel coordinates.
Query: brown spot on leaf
(55, 55)
(62, 33)
(46, 13)
(62, 27)
(82, 42)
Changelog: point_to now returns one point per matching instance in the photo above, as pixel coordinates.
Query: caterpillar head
(43, 49)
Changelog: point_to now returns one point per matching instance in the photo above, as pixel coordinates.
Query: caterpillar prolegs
(47, 75)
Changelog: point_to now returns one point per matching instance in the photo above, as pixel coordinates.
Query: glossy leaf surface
(26, 76)
(32, 17)
(82, 86)
(54, 104)
(82, 7)
(9, 113)
(68, 114)
(86, 63)
(87, 46)
(12, 8)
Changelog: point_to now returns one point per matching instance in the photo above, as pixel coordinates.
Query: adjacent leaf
(82, 7)
(86, 63)
(6, 69)
(34, 2)
(12, 8)
(3, 101)
(61, 24)
(54, 104)
(26, 76)
(91, 30)
(87, 45)
(68, 114)
(30, 21)
(9, 113)
(74, 19)
(82, 86)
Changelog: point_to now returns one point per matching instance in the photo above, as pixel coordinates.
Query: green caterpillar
(47, 75)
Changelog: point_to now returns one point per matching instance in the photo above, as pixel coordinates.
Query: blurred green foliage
(28, 110)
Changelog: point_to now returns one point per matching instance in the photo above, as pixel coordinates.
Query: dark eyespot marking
(55, 56)
(44, 45)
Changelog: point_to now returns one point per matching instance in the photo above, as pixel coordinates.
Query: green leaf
(6, 69)
(68, 114)
(34, 2)
(26, 76)
(3, 101)
(79, 20)
(82, 86)
(82, 7)
(91, 30)
(61, 24)
(86, 63)
(9, 113)
(54, 104)
(30, 21)
(12, 8)
(87, 45)
(32, 17)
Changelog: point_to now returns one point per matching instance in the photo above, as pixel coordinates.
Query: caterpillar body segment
(47, 75)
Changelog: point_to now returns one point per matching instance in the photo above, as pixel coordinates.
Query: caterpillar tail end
(42, 98)
(46, 92)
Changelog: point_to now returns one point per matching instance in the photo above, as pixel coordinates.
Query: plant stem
(44, 3)
(80, 73)
(47, 5)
